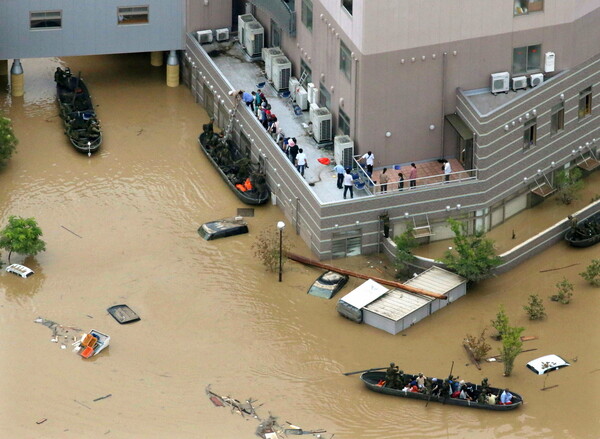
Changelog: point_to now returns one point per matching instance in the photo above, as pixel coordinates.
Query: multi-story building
(410, 80)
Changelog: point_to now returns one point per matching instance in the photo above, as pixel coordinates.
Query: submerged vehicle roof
(547, 363)
(223, 228)
(328, 284)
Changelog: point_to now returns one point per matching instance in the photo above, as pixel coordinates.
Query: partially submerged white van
(19, 270)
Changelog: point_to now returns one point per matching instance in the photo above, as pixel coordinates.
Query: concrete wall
(88, 28)
(212, 14)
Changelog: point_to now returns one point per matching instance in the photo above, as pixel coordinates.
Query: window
(530, 134)
(343, 123)
(527, 59)
(345, 61)
(557, 119)
(585, 103)
(347, 4)
(324, 96)
(132, 15)
(307, 14)
(275, 34)
(524, 7)
(305, 68)
(346, 244)
(45, 20)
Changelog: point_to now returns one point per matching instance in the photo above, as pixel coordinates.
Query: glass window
(305, 68)
(343, 123)
(347, 4)
(530, 134)
(557, 119)
(132, 15)
(324, 96)
(585, 103)
(45, 20)
(345, 61)
(527, 59)
(275, 34)
(307, 14)
(524, 7)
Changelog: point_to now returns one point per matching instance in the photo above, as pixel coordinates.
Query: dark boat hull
(576, 240)
(81, 140)
(251, 198)
(370, 379)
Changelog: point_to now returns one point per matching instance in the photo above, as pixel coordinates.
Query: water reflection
(20, 290)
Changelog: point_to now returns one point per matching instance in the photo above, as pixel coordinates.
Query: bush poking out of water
(511, 347)
(266, 248)
(500, 324)
(478, 345)
(569, 183)
(8, 141)
(535, 308)
(405, 244)
(592, 273)
(564, 292)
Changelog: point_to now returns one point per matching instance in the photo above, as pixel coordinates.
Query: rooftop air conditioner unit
(500, 82)
(313, 93)
(242, 20)
(536, 79)
(302, 98)
(549, 62)
(311, 110)
(222, 34)
(204, 36)
(519, 82)
(281, 69)
(321, 121)
(343, 150)
(268, 53)
(294, 84)
(254, 38)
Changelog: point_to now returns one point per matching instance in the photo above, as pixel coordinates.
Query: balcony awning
(281, 11)
(461, 128)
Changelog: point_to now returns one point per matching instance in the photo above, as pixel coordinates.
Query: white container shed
(398, 309)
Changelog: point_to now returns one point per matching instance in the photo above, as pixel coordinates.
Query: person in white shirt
(369, 159)
(301, 161)
(348, 184)
(447, 171)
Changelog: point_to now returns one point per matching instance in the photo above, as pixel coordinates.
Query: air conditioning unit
(268, 53)
(222, 34)
(500, 82)
(294, 84)
(343, 150)
(311, 110)
(549, 62)
(242, 21)
(313, 93)
(281, 68)
(519, 82)
(321, 120)
(536, 79)
(204, 36)
(254, 38)
(302, 98)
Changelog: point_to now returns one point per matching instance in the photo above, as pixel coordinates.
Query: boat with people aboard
(584, 233)
(463, 394)
(77, 111)
(241, 175)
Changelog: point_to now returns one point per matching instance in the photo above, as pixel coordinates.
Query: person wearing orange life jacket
(240, 187)
(248, 184)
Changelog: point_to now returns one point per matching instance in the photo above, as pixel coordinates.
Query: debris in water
(41, 421)
(103, 397)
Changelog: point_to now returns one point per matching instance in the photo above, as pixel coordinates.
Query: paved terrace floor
(245, 75)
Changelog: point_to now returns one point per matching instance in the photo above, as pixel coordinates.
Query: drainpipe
(355, 124)
(172, 69)
(17, 79)
(444, 60)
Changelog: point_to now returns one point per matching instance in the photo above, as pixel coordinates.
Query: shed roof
(437, 280)
(364, 294)
(397, 304)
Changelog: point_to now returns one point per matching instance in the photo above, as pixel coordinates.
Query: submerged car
(328, 284)
(19, 270)
(547, 363)
(223, 228)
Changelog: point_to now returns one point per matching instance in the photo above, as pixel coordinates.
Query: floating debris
(59, 331)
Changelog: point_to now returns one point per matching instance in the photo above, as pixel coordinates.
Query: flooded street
(120, 227)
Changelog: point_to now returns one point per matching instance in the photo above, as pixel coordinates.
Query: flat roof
(396, 304)
(437, 280)
(364, 294)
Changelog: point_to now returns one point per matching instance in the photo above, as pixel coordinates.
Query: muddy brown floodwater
(211, 314)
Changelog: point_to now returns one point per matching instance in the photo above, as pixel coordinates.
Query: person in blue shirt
(506, 397)
(339, 169)
(248, 98)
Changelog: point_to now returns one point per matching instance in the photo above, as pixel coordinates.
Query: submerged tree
(8, 141)
(478, 346)
(592, 273)
(405, 244)
(266, 248)
(564, 292)
(500, 324)
(569, 183)
(475, 256)
(535, 307)
(511, 347)
(22, 235)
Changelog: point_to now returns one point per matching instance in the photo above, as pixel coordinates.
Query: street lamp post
(280, 226)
